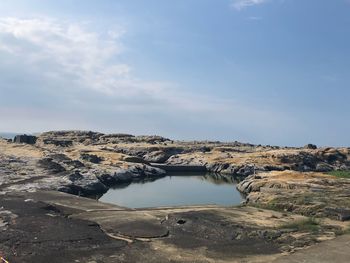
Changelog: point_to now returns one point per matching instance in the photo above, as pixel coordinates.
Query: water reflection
(176, 189)
(217, 179)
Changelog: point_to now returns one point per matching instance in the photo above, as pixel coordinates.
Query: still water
(176, 190)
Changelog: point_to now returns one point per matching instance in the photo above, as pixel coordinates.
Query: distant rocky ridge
(216, 156)
(88, 163)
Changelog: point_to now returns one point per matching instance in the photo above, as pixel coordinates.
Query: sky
(261, 71)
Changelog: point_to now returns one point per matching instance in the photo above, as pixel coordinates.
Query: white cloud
(242, 4)
(69, 49)
(86, 61)
(62, 75)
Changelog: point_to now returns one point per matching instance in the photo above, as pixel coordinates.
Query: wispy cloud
(69, 49)
(242, 4)
(61, 75)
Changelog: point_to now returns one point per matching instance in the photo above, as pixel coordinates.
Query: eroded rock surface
(40, 225)
(292, 181)
(81, 161)
(310, 194)
(74, 168)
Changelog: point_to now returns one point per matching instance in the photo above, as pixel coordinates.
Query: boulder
(91, 158)
(310, 146)
(29, 139)
(157, 156)
(83, 184)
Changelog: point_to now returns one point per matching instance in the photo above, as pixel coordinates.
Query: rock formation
(88, 163)
(29, 139)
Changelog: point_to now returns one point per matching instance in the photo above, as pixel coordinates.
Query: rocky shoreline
(291, 182)
(89, 162)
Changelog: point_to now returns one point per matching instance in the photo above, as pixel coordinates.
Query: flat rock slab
(38, 235)
(133, 224)
(58, 227)
(71, 202)
(336, 251)
(114, 220)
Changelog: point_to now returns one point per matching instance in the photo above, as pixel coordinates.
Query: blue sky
(261, 71)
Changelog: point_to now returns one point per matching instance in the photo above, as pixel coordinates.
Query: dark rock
(133, 173)
(152, 139)
(309, 161)
(73, 136)
(337, 213)
(64, 159)
(62, 143)
(344, 216)
(29, 139)
(91, 158)
(121, 176)
(59, 157)
(220, 168)
(134, 159)
(74, 163)
(205, 149)
(162, 154)
(181, 221)
(75, 176)
(95, 189)
(332, 158)
(157, 156)
(310, 146)
(117, 138)
(107, 179)
(143, 171)
(85, 184)
(246, 171)
(269, 168)
(50, 165)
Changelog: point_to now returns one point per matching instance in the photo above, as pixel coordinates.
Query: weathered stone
(51, 166)
(135, 159)
(28, 139)
(90, 158)
(268, 182)
(157, 156)
(62, 143)
(311, 194)
(85, 184)
(310, 146)
(323, 167)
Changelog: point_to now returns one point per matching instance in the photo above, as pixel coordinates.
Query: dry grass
(20, 150)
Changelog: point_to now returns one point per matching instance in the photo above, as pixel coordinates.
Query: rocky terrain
(88, 163)
(289, 187)
(310, 194)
